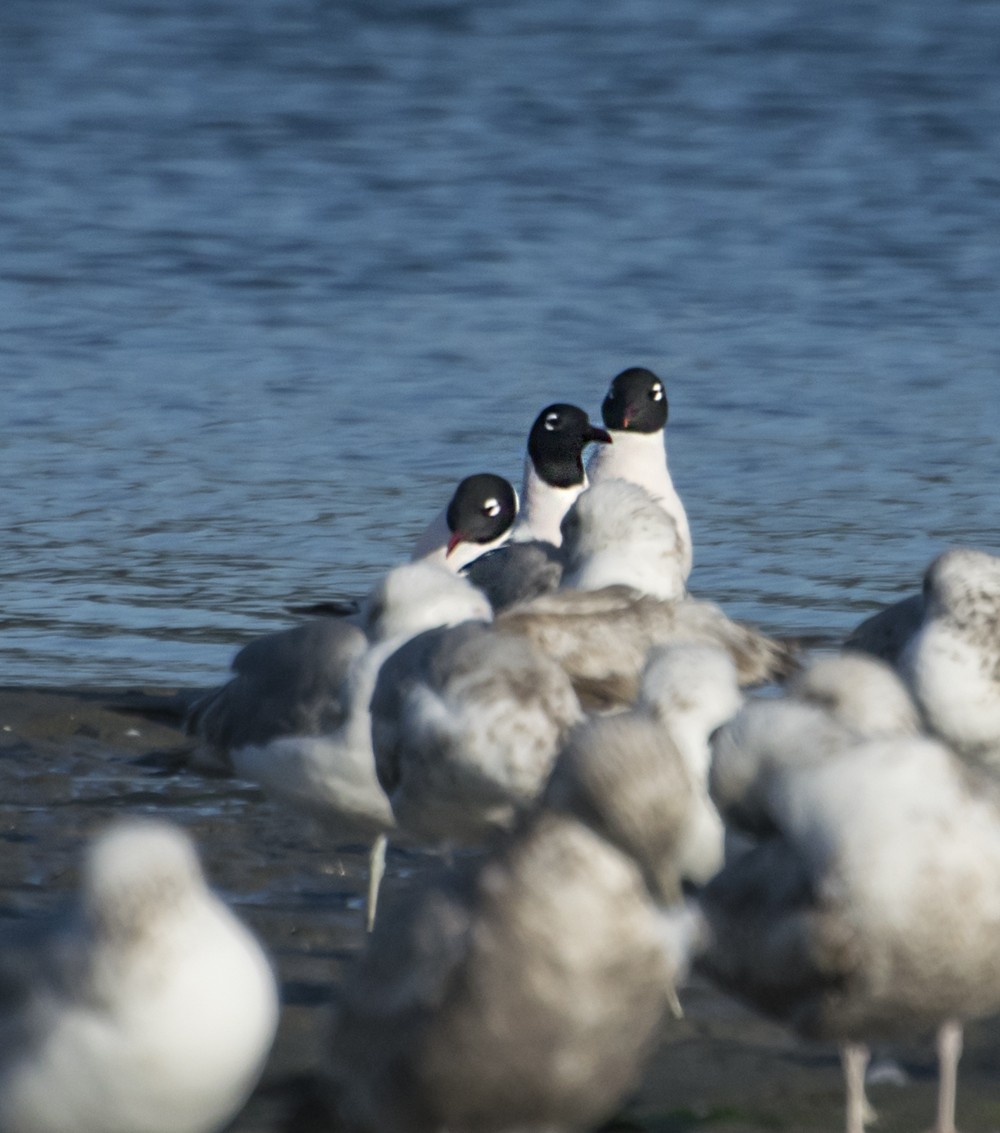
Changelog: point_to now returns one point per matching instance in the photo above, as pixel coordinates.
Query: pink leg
(949, 1047)
(854, 1058)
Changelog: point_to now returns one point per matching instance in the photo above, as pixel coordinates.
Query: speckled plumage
(874, 908)
(831, 703)
(952, 664)
(332, 777)
(603, 637)
(525, 994)
(869, 904)
(466, 723)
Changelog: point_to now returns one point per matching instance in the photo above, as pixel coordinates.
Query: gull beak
(600, 436)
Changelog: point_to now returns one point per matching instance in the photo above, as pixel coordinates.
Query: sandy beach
(73, 758)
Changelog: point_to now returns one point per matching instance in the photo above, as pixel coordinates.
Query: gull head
(962, 587)
(860, 691)
(696, 683)
(419, 596)
(636, 402)
(138, 873)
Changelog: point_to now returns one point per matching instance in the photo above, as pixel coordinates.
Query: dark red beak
(456, 538)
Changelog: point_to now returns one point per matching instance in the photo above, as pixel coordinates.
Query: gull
(146, 1008)
(328, 771)
(886, 633)
(952, 663)
(466, 724)
(860, 692)
(526, 991)
(554, 476)
(635, 414)
(688, 692)
(622, 594)
(870, 909)
(616, 535)
(832, 702)
(295, 682)
(477, 519)
(285, 683)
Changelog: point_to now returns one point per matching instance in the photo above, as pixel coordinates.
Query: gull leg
(854, 1058)
(949, 1049)
(376, 870)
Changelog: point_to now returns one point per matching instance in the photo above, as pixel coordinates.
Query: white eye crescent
(656, 393)
(491, 507)
(551, 420)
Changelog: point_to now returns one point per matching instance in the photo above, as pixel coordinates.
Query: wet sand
(72, 759)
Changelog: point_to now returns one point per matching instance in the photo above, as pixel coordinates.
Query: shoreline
(74, 757)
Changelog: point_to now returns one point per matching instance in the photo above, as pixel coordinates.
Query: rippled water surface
(275, 274)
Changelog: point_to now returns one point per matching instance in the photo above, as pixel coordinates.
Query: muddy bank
(71, 759)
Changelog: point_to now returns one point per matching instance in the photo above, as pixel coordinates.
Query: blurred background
(275, 274)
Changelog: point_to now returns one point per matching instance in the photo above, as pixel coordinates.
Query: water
(274, 275)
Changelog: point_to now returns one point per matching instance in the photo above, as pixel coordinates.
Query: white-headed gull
(870, 910)
(831, 703)
(688, 692)
(952, 663)
(147, 1007)
(526, 992)
(329, 773)
(466, 724)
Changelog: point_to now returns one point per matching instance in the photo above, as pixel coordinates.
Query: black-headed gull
(635, 414)
(529, 563)
(476, 520)
(554, 474)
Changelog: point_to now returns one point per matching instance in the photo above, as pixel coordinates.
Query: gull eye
(656, 393)
(551, 421)
(491, 507)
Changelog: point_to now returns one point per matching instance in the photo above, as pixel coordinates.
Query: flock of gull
(538, 683)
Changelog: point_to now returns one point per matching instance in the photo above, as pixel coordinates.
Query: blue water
(274, 274)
